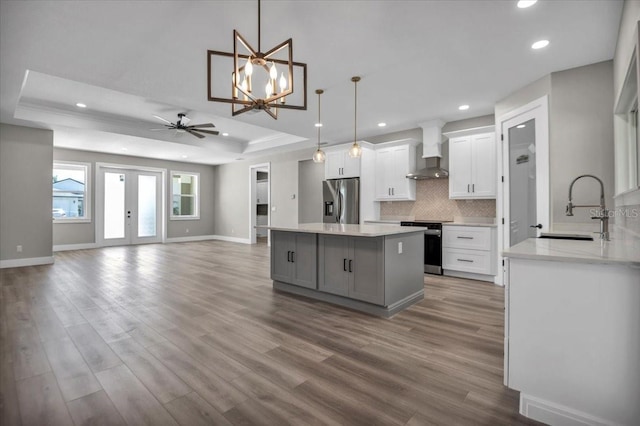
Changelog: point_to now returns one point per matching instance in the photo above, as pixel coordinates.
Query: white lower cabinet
(469, 250)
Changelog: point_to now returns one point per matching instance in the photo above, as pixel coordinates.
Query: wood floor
(193, 334)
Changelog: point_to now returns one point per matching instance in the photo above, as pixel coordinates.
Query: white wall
(25, 192)
(84, 233)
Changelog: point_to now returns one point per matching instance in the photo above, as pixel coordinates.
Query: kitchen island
(572, 329)
(377, 269)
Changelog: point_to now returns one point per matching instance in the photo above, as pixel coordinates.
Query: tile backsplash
(432, 202)
(628, 218)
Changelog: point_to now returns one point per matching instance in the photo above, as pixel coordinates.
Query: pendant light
(356, 150)
(319, 156)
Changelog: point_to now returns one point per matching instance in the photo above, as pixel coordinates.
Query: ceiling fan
(182, 125)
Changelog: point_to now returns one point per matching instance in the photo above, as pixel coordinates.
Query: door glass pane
(522, 182)
(147, 206)
(114, 217)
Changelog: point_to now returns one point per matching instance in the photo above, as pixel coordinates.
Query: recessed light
(318, 124)
(382, 124)
(124, 149)
(184, 156)
(81, 105)
(523, 4)
(225, 134)
(463, 107)
(540, 44)
(521, 126)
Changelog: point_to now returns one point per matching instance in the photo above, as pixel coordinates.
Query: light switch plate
(400, 247)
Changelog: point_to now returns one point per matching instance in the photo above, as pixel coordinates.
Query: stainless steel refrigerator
(341, 200)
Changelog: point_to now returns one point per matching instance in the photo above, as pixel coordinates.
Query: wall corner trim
(31, 261)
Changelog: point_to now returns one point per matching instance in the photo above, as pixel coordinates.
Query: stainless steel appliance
(341, 200)
(432, 244)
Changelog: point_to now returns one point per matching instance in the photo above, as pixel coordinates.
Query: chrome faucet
(604, 213)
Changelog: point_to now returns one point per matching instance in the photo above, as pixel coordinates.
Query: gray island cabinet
(377, 269)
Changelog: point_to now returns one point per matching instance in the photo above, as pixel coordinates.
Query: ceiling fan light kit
(182, 126)
(259, 81)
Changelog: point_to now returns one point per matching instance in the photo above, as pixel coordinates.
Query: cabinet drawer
(466, 237)
(478, 262)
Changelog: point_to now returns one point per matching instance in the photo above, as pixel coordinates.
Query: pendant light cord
(355, 110)
(319, 122)
(259, 49)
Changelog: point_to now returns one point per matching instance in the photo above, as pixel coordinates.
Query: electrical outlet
(400, 247)
(19, 249)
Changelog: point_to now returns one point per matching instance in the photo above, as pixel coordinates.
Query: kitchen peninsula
(377, 269)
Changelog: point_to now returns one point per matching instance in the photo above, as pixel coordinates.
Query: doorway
(524, 193)
(130, 208)
(260, 202)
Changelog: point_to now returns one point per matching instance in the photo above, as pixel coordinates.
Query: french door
(131, 209)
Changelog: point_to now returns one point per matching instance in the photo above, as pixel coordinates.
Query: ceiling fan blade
(154, 130)
(202, 125)
(194, 133)
(162, 119)
(209, 132)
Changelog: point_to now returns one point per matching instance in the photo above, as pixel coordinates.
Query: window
(185, 194)
(71, 192)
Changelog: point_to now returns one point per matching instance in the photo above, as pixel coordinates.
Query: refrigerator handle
(339, 207)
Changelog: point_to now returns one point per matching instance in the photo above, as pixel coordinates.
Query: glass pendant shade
(355, 151)
(319, 156)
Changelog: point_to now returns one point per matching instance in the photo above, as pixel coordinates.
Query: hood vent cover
(436, 172)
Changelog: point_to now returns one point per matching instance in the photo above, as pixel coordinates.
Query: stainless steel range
(432, 244)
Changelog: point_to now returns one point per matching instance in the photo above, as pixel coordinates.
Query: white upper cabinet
(339, 165)
(472, 166)
(393, 163)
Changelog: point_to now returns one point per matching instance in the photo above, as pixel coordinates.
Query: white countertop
(374, 230)
(622, 249)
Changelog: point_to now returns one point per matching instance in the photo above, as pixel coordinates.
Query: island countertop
(369, 230)
(621, 250)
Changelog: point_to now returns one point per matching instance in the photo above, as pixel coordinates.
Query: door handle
(473, 187)
(468, 188)
(388, 191)
(465, 238)
(289, 256)
(539, 226)
(393, 191)
(465, 260)
(293, 257)
(350, 264)
(344, 265)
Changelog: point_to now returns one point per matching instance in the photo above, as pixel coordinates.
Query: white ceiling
(419, 60)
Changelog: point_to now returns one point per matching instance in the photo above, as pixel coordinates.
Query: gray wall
(580, 134)
(231, 189)
(310, 177)
(25, 192)
(469, 123)
(581, 142)
(84, 233)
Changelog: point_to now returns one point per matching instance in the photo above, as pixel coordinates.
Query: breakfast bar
(377, 269)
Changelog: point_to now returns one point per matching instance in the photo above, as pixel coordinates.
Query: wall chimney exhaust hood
(431, 148)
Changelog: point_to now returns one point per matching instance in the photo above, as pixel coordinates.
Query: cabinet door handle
(465, 238)
(289, 256)
(388, 191)
(293, 257)
(468, 188)
(465, 260)
(473, 187)
(350, 264)
(344, 265)
(393, 191)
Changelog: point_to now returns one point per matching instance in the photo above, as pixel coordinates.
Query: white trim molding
(556, 414)
(30, 261)
(69, 247)
(207, 238)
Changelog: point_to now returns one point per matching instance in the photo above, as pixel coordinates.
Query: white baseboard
(207, 237)
(67, 247)
(31, 261)
(232, 239)
(556, 414)
(469, 275)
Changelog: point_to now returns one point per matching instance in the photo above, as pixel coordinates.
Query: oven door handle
(435, 232)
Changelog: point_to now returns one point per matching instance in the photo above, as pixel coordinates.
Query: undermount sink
(576, 237)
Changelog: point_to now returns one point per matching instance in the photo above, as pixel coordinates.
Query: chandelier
(319, 156)
(260, 81)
